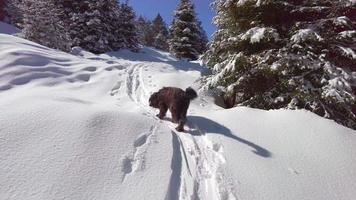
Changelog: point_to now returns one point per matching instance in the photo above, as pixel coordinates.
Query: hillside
(78, 126)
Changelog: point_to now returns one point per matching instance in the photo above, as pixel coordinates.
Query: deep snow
(79, 127)
(8, 29)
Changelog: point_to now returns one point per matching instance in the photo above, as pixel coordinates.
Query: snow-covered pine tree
(116, 38)
(13, 12)
(203, 39)
(92, 24)
(127, 27)
(144, 31)
(184, 32)
(42, 24)
(161, 41)
(2, 10)
(286, 54)
(161, 33)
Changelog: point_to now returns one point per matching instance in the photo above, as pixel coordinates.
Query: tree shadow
(200, 125)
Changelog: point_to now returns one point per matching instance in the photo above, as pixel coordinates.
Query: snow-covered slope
(8, 29)
(79, 127)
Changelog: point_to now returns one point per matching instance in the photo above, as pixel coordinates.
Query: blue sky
(150, 8)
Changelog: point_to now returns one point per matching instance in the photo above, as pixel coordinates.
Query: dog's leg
(162, 110)
(180, 126)
(182, 120)
(175, 115)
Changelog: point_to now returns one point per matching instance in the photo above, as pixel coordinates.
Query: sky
(150, 8)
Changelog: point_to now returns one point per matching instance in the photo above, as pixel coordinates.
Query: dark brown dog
(174, 99)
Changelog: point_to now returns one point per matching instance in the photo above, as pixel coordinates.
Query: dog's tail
(190, 93)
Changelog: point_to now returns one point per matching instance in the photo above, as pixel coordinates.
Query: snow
(8, 29)
(78, 126)
(348, 52)
(305, 34)
(346, 34)
(243, 2)
(338, 86)
(275, 66)
(342, 21)
(256, 34)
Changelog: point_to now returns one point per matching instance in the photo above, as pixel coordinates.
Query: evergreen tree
(144, 31)
(42, 24)
(184, 32)
(92, 24)
(14, 12)
(127, 27)
(2, 10)
(161, 33)
(286, 54)
(161, 41)
(95, 25)
(203, 39)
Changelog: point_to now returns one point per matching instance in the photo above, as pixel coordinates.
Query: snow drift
(78, 126)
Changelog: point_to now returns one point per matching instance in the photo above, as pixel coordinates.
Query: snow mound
(26, 62)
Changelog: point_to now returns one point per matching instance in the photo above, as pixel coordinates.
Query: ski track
(198, 171)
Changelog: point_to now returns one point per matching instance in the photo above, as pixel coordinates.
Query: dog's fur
(174, 99)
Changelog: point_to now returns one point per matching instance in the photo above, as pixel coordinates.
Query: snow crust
(79, 127)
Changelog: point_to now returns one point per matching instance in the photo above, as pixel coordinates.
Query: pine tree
(161, 41)
(2, 10)
(42, 24)
(92, 24)
(144, 31)
(184, 32)
(95, 25)
(14, 12)
(127, 27)
(286, 54)
(203, 39)
(161, 33)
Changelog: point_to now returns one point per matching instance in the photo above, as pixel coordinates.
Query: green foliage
(286, 54)
(186, 34)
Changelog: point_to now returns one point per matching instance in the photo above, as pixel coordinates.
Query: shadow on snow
(201, 125)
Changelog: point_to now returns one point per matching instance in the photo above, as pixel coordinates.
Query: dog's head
(154, 100)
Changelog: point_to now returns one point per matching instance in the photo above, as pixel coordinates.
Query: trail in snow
(198, 170)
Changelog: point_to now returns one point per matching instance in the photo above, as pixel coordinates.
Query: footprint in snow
(127, 165)
(293, 171)
(140, 140)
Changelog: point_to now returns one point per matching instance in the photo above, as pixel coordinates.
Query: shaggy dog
(174, 99)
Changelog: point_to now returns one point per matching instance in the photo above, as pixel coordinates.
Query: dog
(174, 99)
